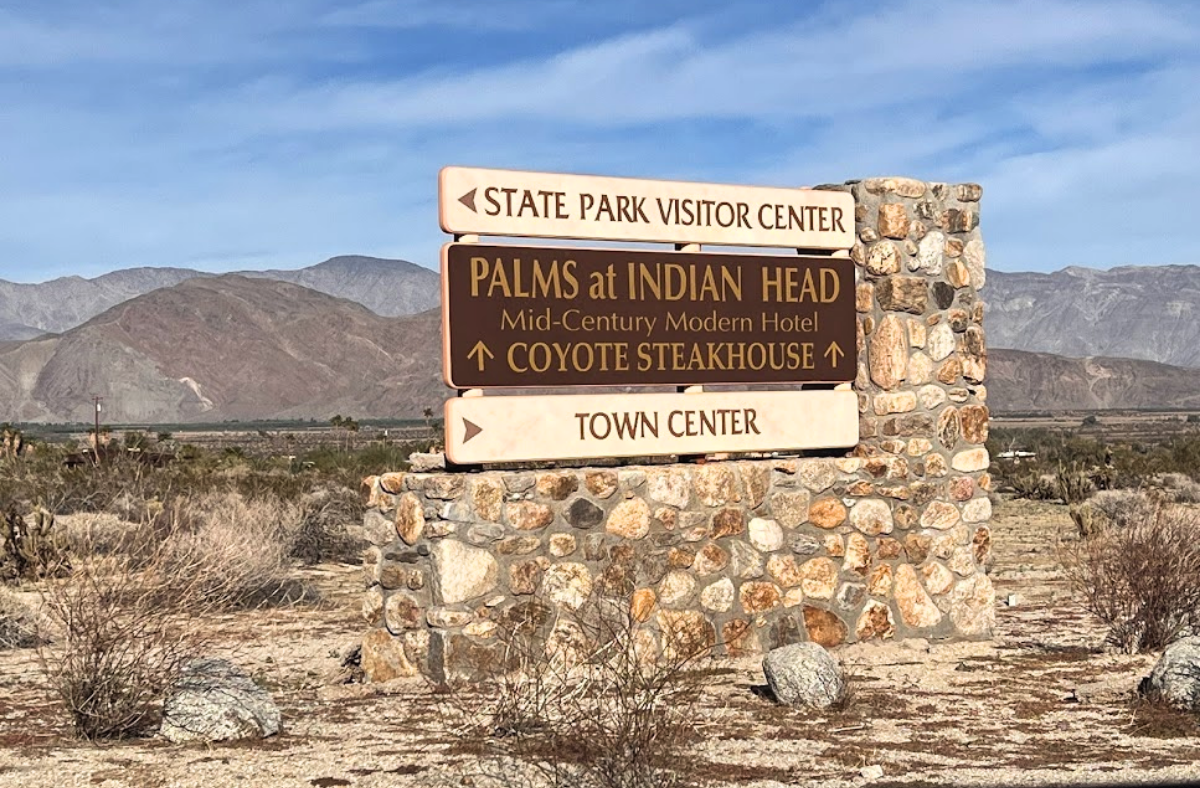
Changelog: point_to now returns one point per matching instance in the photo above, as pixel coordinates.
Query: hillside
(1020, 380)
(1143, 312)
(388, 287)
(228, 347)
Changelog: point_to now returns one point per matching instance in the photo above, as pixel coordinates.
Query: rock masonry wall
(888, 539)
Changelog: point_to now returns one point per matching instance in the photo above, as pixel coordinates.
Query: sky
(239, 134)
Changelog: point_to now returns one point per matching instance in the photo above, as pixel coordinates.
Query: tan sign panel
(520, 317)
(493, 429)
(552, 205)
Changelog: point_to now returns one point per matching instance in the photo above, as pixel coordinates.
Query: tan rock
(973, 606)
(940, 515)
(557, 486)
(766, 535)
(827, 513)
(675, 588)
(680, 557)
(372, 605)
(888, 353)
(887, 548)
(728, 522)
(895, 402)
(790, 508)
(834, 546)
(567, 584)
(975, 257)
(444, 486)
(874, 622)
(971, 460)
(903, 294)
(601, 484)
(686, 633)
(962, 561)
(981, 544)
(824, 627)
(739, 638)
(880, 581)
(463, 572)
(784, 570)
(893, 221)
(759, 596)
(938, 578)
(931, 253)
(528, 516)
(962, 487)
(920, 369)
(950, 371)
(487, 497)
(630, 519)
(864, 296)
(448, 618)
(410, 518)
(903, 187)
(715, 484)
(941, 342)
(669, 486)
(718, 597)
(392, 483)
(931, 396)
(711, 558)
(936, 465)
(977, 510)
(917, 546)
(793, 597)
(524, 577)
(958, 274)
(481, 629)
(562, 545)
(883, 258)
(641, 604)
(918, 447)
(974, 423)
(818, 474)
(383, 657)
(872, 517)
(858, 554)
(915, 606)
(818, 578)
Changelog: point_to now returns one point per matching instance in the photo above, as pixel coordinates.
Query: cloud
(203, 132)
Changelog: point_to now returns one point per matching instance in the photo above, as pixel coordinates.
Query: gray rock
(214, 700)
(804, 674)
(421, 462)
(1176, 677)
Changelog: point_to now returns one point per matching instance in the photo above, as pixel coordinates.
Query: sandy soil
(1003, 712)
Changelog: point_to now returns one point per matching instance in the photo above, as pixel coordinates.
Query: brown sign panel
(520, 316)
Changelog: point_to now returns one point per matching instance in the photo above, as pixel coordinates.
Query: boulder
(804, 674)
(214, 700)
(1176, 677)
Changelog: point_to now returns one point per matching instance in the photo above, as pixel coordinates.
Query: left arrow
(478, 352)
(468, 200)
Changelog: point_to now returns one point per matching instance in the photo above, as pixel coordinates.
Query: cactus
(33, 549)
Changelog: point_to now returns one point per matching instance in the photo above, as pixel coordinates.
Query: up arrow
(470, 429)
(833, 353)
(478, 352)
(468, 200)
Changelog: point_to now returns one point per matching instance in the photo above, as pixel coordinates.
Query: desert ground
(1042, 703)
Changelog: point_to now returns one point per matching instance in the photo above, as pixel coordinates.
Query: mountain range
(361, 335)
(387, 287)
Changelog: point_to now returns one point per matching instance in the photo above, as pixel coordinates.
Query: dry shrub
(121, 628)
(237, 549)
(1116, 508)
(1180, 487)
(1141, 577)
(18, 622)
(323, 531)
(588, 701)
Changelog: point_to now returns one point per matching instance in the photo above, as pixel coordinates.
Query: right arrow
(833, 352)
(468, 200)
(471, 430)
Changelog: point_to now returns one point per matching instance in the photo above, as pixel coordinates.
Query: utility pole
(96, 400)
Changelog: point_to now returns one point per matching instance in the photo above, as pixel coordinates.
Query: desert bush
(1032, 484)
(30, 546)
(1180, 487)
(238, 548)
(587, 701)
(1142, 579)
(18, 622)
(121, 628)
(1073, 484)
(322, 533)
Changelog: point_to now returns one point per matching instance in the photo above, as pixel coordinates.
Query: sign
(516, 316)
(550, 205)
(522, 429)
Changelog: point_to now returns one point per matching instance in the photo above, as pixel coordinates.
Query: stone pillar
(889, 539)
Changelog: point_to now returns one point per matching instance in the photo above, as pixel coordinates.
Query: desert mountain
(387, 287)
(1142, 312)
(227, 347)
(1020, 380)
